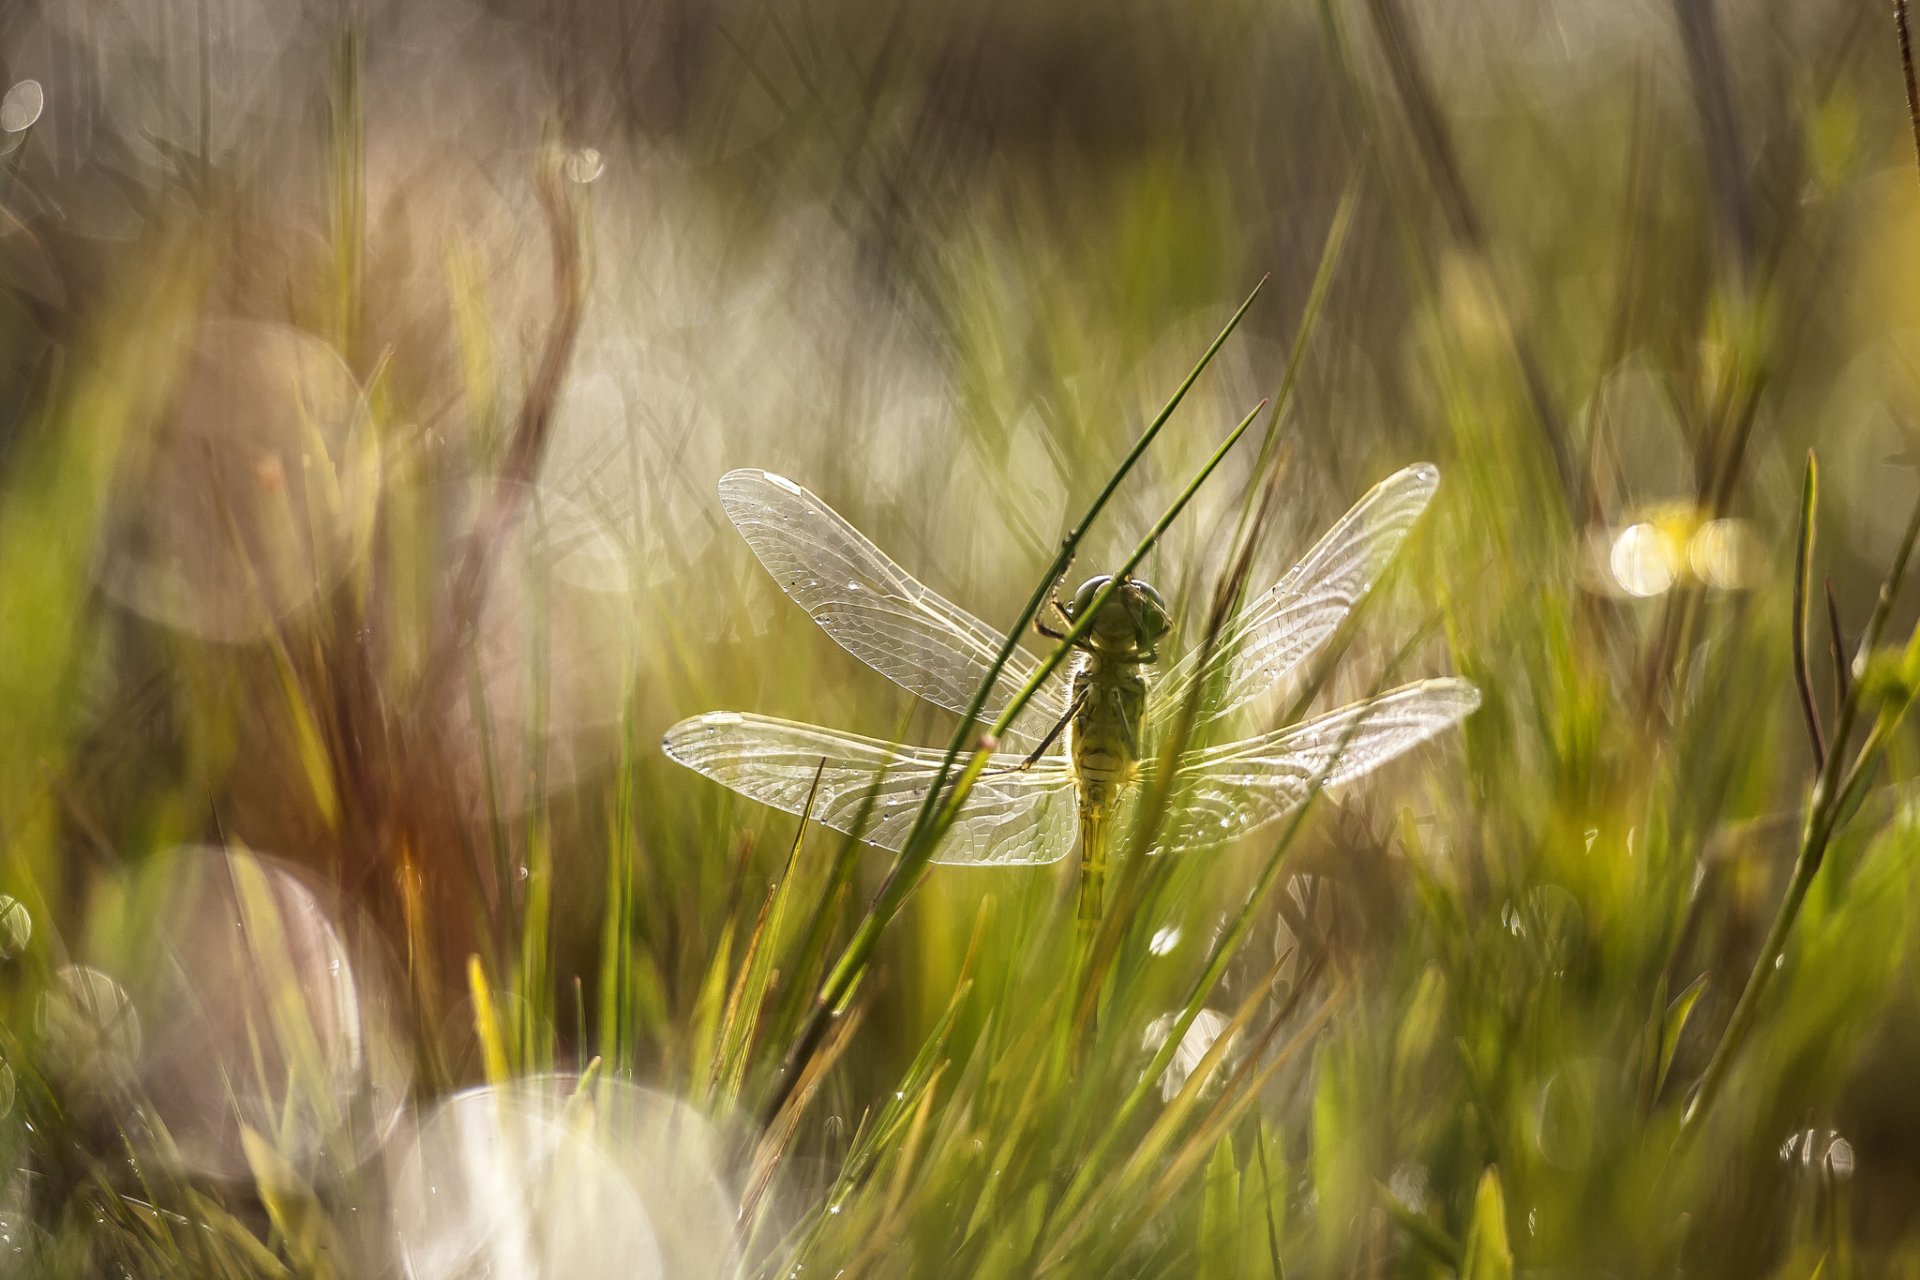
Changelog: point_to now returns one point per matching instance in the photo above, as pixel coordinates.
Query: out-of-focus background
(366, 370)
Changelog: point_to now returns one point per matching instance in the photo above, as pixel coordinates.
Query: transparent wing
(1012, 816)
(1275, 633)
(1230, 790)
(878, 611)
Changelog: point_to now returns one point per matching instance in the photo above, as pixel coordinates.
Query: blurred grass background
(366, 371)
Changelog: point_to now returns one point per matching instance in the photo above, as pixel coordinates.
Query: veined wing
(1013, 816)
(1275, 633)
(878, 611)
(1238, 787)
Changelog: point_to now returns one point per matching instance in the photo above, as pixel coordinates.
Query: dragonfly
(1103, 709)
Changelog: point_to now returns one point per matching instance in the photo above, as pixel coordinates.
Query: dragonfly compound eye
(1083, 598)
(1150, 611)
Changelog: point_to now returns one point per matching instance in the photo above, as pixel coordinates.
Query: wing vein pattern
(1012, 816)
(1230, 790)
(1275, 633)
(878, 611)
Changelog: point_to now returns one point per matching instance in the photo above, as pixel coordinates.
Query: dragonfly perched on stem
(1105, 708)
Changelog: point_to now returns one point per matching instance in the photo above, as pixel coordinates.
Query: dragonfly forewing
(878, 611)
(1268, 639)
(1014, 816)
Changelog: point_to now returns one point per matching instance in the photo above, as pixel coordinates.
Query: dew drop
(1408, 1185)
(22, 106)
(1724, 554)
(1819, 1150)
(1644, 560)
(585, 165)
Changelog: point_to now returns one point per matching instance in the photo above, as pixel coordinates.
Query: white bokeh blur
(265, 1006)
(549, 1178)
(256, 492)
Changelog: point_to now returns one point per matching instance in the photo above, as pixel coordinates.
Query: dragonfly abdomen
(1104, 737)
(1103, 745)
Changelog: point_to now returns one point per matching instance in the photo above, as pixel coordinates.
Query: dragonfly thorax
(1130, 623)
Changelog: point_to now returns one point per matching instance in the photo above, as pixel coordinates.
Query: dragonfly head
(1131, 622)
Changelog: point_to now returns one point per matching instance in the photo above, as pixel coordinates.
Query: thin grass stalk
(1905, 37)
(616, 964)
(347, 157)
(756, 967)
(1802, 588)
(536, 872)
(1825, 808)
(1317, 293)
(1837, 647)
(1440, 157)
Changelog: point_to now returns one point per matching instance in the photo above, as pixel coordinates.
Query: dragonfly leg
(1053, 736)
(1044, 625)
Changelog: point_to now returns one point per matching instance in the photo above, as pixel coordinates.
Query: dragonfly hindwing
(1013, 816)
(1228, 791)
